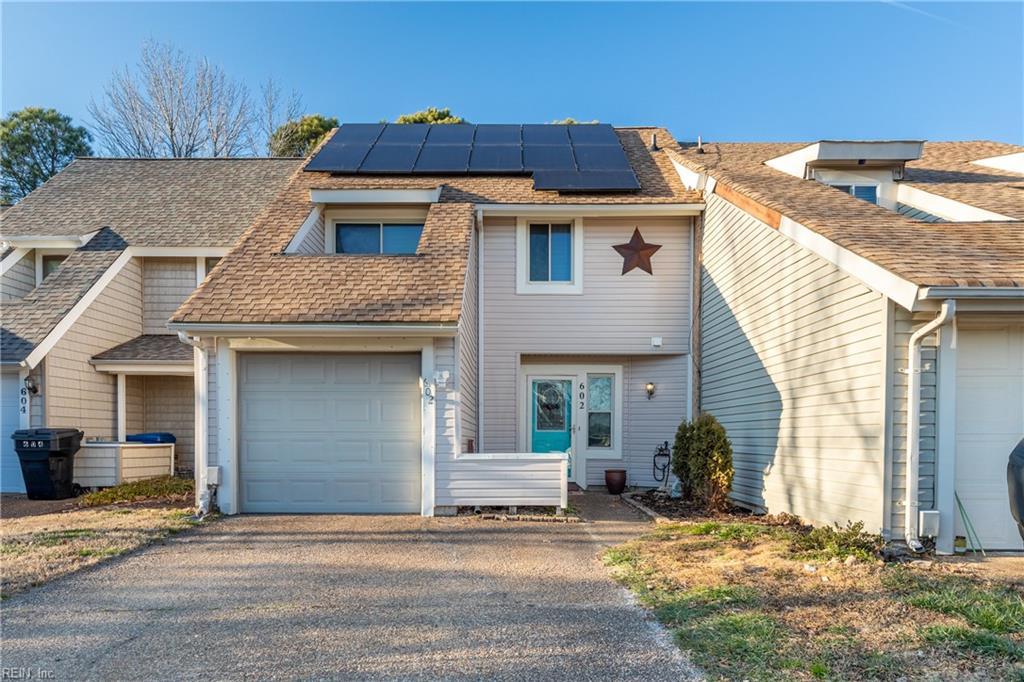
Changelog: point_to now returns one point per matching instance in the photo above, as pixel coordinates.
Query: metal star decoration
(637, 253)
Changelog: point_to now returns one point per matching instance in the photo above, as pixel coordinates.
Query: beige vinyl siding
(20, 279)
(100, 465)
(76, 394)
(167, 282)
(135, 404)
(312, 243)
(792, 364)
(905, 324)
(615, 315)
(646, 424)
(468, 348)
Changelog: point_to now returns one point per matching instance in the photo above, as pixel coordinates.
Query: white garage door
(10, 469)
(336, 433)
(989, 422)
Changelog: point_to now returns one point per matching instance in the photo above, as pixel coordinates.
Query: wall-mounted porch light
(31, 386)
(650, 387)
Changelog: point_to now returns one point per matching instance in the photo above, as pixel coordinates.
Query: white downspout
(200, 439)
(479, 330)
(911, 503)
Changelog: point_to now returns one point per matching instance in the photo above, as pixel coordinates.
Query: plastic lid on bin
(156, 437)
(46, 432)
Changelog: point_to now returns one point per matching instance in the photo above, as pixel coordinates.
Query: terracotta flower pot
(615, 480)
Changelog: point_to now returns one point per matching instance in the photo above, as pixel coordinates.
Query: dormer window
(864, 192)
(392, 239)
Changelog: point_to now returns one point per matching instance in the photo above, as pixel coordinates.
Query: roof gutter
(971, 292)
(313, 329)
(913, 446)
(591, 210)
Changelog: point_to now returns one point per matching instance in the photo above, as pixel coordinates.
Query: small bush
(159, 489)
(827, 542)
(702, 460)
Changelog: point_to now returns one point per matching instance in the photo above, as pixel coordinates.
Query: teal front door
(551, 415)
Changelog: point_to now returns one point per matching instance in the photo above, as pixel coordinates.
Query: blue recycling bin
(151, 438)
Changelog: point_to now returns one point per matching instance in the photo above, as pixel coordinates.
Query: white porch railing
(506, 478)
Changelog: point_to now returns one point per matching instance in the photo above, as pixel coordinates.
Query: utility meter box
(928, 524)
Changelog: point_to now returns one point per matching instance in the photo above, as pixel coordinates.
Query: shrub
(827, 542)
(702, 460)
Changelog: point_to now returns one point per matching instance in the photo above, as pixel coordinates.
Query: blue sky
(726, 71)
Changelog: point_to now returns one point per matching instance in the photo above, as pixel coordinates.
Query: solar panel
(455, 133)
(586, 181)
(339, 158)
(496, 158)
(601, 157)
(593, 134)
(357, 132)
(545, 134)
(577, 158)
(390, 158)
(548, 157)
(403, 133)
(498, 134)
(443, 158)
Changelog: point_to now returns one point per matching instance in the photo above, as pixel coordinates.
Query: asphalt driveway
(350, 597)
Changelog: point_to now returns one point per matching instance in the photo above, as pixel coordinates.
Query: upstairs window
(390, 239)
(51, 263)
(551, 252)
(864, 192)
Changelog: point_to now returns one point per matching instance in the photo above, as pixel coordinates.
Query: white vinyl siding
(76, 394)
(905, 324)
(792, 355)
(20, 279)
(167, 282)
(468, 347)
(472, 482)
(312, 243)
(615, 314)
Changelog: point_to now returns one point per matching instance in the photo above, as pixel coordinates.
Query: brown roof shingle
(148, 348)
(927, 254)
(152, 202)
(258, 283)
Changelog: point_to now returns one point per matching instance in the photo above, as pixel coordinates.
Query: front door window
(551, 411)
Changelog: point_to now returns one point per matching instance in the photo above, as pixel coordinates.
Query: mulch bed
(677, 508)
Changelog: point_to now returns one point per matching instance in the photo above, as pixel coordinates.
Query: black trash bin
(47, 461)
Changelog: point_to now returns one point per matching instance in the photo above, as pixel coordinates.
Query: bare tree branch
(274, 112)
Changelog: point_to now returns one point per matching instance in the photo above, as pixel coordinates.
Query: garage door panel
(337, 433)
(989, 422)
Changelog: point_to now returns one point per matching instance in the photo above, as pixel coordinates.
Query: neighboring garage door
(989, 422)
(10, 469)
(329, 433)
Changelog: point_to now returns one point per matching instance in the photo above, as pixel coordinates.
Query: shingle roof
(148, 348)
(927, 254)
(27, 321)
(258, 283)
(152, 202)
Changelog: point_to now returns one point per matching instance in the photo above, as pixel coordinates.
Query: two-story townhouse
(94, 262)
(861, 330)
(435, 316)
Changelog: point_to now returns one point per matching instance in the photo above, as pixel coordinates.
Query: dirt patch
(17, 505)
(36, 549)
(678, 508)
(744, 598)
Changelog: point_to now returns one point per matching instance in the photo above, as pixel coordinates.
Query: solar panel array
(565, 158)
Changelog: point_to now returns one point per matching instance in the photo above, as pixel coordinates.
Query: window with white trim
(549, 258)
(864, 192)
(600, 411)
(391, 239)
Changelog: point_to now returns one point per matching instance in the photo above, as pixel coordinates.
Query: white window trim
(578, 375)
(382, 214)
(523, 283)
(47, 252)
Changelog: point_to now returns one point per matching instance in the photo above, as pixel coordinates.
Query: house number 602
(583, 396)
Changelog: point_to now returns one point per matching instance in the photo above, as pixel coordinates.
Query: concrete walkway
(351, 597)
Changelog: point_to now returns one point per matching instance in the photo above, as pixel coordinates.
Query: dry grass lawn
(751, 601)
(36, 549)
